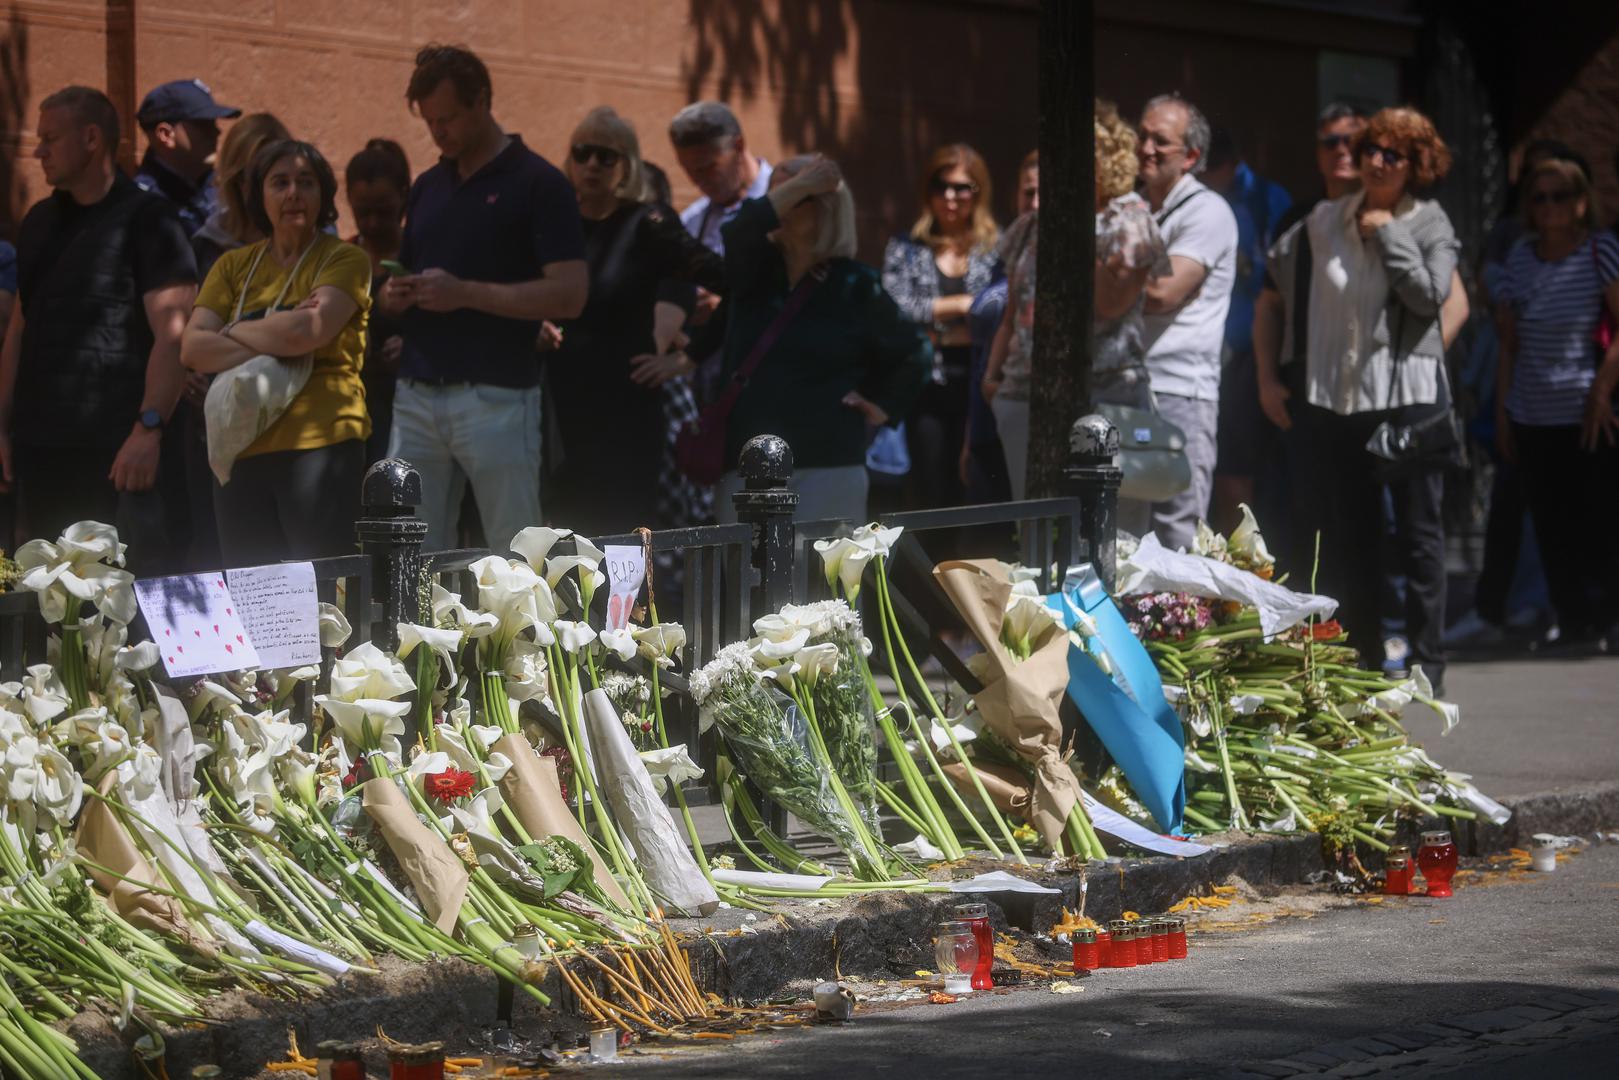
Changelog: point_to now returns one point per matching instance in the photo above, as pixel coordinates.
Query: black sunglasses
(606, 155)
(1551, 198)
(1390, 157)
(960, 191)
(1335, 142)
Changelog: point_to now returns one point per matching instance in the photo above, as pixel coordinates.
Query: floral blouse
(1125, 229)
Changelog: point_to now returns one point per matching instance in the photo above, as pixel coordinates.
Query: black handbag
(1419, 438)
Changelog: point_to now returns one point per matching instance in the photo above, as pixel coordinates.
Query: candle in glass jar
(1085, 951)
(1437, 857)
(977, 917)
(338, 1060)
(1144, 942)
(1124, 944)
(1160, 940)
(1177, 937)
(421, 1062)
(1104, 947)
(1397, 876)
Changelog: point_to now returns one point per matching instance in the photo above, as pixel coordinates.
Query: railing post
(391, 535)
(766, 503)
(1093, 444)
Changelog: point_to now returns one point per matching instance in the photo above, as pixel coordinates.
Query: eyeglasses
(1335, 142)
(947, 187)
(606, 155)
(1390, 157)
(1159, 143)
(1551, 198)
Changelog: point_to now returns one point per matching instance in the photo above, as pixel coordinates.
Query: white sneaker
(1472, 629)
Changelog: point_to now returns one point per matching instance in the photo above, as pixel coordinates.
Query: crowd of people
(197, 355)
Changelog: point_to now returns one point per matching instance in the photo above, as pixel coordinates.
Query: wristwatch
(151, 420)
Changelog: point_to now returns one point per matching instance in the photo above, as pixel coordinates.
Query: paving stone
(1485, 1022)
(1346, 1051)
(1534, 1013)
(1399, 1042)
(1605, 1014)
(1544, 1029)
(1356, 1068)
(1277, 1069)
(1376, 1045)
(1318, 1059)
(1575, 1000)
(1309, 1068)
(1420, 1037)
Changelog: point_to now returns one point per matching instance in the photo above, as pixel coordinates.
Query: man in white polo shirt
(1185, 311)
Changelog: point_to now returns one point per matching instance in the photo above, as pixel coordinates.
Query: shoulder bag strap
(1165, 215)
(767, 340)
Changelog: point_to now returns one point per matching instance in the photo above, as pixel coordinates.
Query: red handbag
(700, 443)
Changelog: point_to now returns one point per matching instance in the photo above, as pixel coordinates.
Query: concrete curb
(881, 935)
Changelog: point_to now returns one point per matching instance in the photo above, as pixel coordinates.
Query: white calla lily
(365, 724)
(621, 643)
(369, 672)
(1247, 542)
(434, 762)
(511, 592)
(40, 695)
(497, 765)
(573, 636)
(449, 613)
(335, 630)
(670, 765)
(40, 776)
(138, 657)
(535, 543)
(1027, 621)
(444, 643)
(768, 650)
(878, 539)
(525, 675)
(660, 643)
(82, 565)
(834, 554)
(815, 661)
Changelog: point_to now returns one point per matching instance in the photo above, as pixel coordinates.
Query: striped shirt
(1557, 305)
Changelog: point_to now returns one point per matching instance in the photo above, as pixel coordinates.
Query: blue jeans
(486, 435)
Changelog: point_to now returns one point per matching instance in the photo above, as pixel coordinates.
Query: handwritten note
(626, 569)
(196, 624)
(279, 606)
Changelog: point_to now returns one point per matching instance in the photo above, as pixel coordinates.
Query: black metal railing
(732, 573)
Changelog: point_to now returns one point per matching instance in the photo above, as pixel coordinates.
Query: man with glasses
(1185, 310)
(495, 246)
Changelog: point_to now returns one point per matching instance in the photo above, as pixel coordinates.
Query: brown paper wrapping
(1006, 787)
(103, 839)
(439, 878)
(534, 794)
(1020, 700)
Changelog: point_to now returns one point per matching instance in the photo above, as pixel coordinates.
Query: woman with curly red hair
(1382, 264)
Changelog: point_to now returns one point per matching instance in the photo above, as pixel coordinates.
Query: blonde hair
(603, 126)
(836, 238)
(1570, 173)
(237, 150)
(1116, 163)
(946, 158)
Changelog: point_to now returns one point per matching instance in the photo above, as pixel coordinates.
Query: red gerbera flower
(1326, 631)
(449, 785)
(564, 767)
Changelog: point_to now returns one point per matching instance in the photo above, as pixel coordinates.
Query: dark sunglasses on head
(960, 191)
(1389, 156)
(606, 155)
(1551, 198)
(1335, 142)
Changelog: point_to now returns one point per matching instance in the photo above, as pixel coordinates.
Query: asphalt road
(1511, 978)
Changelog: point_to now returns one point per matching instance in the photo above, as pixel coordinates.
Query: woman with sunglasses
(933, 273)
(1558, 371)
(618, 379)
(1382, 262)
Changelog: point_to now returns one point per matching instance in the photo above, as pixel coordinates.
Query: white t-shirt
(705, 224)
(1183, 346)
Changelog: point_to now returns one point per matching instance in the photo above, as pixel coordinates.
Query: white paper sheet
(1105, 819)
(194, 621)
(757, 880)
(279, 607)
(1154, 568)
(319, 959)
(999, 881)
(626, 569)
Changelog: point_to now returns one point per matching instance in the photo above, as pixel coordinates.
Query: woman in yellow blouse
(294, 490)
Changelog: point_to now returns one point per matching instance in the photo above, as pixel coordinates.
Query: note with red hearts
(196, 609)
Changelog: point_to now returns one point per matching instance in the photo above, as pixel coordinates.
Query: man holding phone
(495, 246)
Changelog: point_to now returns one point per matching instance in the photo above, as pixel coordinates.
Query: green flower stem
(680, 796)
(886, 606)
(925, 741)
(902, 811)
(868, 846)
(426, 681)
(778, 846)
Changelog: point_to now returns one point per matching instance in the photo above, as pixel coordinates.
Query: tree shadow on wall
(923, 75)
(13, 100)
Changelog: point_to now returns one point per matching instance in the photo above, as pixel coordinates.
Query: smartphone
(395, 268)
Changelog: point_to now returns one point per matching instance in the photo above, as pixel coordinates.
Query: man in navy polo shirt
(181, 121)
(493, 237)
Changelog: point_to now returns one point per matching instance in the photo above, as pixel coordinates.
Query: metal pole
(391, 535)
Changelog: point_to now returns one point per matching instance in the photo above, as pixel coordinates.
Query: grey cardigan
(1419, 254)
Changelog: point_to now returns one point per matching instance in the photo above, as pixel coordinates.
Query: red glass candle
(1437, 857)
(1104, 947)
(1177, 938)
(1144, 943)
(1397, 876)
(1160, 940)
(337, 1060)
(423, 1062)
(1124, 945)
(977, 916)
(1085, 952)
